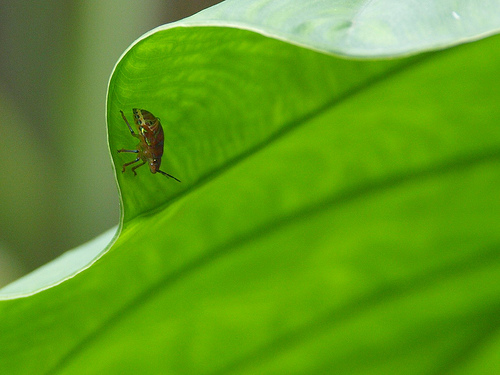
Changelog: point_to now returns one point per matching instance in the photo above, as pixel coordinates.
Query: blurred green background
(57, 188)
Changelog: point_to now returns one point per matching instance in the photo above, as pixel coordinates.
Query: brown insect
(150, 147)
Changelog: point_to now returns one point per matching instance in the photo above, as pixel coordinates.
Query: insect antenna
(168, 175)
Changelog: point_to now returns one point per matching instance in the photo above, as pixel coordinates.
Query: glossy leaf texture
(336, 215)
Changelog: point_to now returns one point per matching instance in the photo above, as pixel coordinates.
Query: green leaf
(336, 215)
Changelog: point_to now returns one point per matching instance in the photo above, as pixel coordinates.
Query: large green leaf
(335, 215)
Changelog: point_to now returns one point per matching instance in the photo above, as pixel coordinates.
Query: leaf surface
(336, 214)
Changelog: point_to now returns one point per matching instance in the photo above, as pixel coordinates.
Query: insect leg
(129, 127)
(137, 166)
(123, 150)
(132, 162)
(168, 175)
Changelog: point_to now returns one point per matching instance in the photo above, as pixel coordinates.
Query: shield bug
(150, 147)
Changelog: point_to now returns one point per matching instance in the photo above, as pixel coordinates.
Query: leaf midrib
(460, 163)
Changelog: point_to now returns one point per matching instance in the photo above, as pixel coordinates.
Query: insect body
(150, 147)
